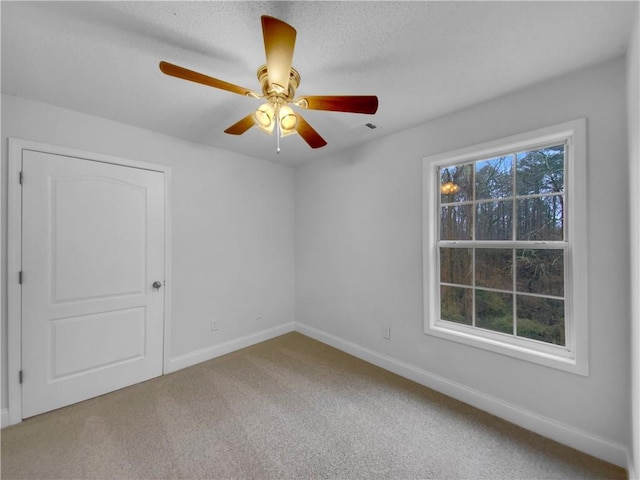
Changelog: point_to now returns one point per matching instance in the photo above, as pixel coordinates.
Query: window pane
(456, 183)
(494, 178)
(455, 222)
(541, 218)
(456, 265)
(494, 268)
(494, 220)
(540, 171)
(455, 304)
(541, 319)
(540, 271)
(494, 311)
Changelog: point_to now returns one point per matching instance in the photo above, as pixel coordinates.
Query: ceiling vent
(365, 129)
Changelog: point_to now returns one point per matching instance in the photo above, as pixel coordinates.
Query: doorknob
(157, 284)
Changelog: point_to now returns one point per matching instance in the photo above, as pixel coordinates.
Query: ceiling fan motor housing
(275, 96)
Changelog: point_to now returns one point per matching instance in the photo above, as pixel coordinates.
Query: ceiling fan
(279, 81)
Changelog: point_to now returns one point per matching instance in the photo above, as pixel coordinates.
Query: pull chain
(277, 131)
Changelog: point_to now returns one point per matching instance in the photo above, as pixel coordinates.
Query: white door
(92, 248)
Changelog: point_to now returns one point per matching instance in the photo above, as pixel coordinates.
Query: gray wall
(359, 252)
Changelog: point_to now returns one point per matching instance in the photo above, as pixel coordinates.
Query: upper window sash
(501, 180)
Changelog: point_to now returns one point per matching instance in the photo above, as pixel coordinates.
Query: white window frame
(573, 357)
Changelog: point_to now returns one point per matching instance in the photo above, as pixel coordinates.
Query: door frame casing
(14, 255)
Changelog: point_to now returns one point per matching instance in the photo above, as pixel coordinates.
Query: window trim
(573, 357)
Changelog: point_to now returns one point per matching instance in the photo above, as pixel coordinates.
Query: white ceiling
(422, 59)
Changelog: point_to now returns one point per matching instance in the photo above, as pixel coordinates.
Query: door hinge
(21, 179)
(20, 277)
(20, 376)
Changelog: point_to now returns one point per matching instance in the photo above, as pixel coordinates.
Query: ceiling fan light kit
(279, 82)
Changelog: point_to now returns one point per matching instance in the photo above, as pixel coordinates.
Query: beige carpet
(289, 408)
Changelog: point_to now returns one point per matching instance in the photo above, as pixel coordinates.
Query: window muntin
(511, 288)
(505, 252)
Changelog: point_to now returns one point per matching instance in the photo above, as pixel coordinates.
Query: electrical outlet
(258, 315)
(214, 326)
(386, 332)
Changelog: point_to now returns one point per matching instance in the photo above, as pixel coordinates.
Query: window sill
(552, 356)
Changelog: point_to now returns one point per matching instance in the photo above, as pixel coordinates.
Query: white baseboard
(4, 418)
(193, 358)
(580, 440)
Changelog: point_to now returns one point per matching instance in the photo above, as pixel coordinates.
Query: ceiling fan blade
(186, 74)
(242, 126)
(279, 42)
(307, 132)
(340, 103)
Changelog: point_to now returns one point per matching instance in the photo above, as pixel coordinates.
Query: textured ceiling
(422, 59)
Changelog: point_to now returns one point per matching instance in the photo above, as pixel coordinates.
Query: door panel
(93, 244)
(89, 342)
(81, 273)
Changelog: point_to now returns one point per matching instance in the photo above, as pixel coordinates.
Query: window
(505, 246)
